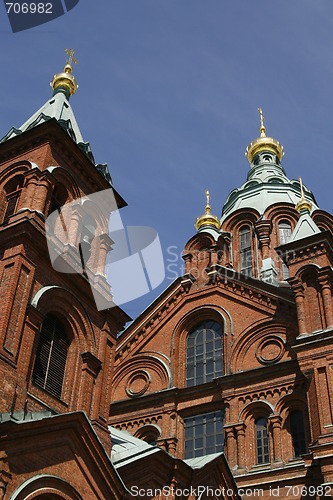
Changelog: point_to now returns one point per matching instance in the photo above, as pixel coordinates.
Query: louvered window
(51, 357)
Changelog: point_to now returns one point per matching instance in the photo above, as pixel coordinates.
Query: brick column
(264, 228)
(41, 193)
(231, 445)
(90, 369)
(29, 188)
(187, 259)
(275, 424)
(298, 290)
(326, 292)
(101, 246)
(240, 431)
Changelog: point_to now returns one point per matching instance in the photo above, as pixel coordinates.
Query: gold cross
(207, 197)
(71, 59)
(261, 118)
(302, 188)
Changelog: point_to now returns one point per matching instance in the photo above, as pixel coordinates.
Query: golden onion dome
(263, 143)
(207, 219)
(66, 80)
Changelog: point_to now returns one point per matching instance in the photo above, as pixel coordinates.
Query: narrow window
(245, 250)
(261, 441)
(51, 357)
(284, 234)
(58, 199)
(204, 434)
(13, 191)
(297, 433)
(87, 235)
(204, 354)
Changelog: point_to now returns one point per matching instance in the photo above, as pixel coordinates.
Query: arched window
(204, 434)
(284, 235)
(245, 250)
(149, 433)
(261, 440)
(297, 433)
(13, 190)
(58, 199)
(51, 357)
(204, 353)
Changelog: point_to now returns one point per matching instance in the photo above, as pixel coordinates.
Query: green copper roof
(266, 185)
(57, 107)
(304, 228)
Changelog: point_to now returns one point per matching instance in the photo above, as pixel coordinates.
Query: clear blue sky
(168, 97)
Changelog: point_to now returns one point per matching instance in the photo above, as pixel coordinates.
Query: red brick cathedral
(221, 388)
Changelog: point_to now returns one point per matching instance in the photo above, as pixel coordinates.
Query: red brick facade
(57, 351)
(277, 354)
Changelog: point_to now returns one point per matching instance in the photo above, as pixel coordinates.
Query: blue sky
(168, 97)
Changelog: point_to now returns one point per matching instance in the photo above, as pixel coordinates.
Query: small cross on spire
(302, 188)
(71, 59)
(262, 128)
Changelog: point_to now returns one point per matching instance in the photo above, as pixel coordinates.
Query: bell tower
(56, 349)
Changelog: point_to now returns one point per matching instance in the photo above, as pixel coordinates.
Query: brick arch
(285, 406)
(17, 168)
(94, 210)
(313, 300)
(142, 374)
(307, 271)
(149, 432)
(10, 177)
(186, 324)
(62, 176)
(282, 211)
(199, 241)
(290, 402)
(63, 303)
(248, 348)
(255, 409)
(323, 219)
(240, 218)
(44, 484)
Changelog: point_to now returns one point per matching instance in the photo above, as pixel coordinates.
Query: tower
(56, 349)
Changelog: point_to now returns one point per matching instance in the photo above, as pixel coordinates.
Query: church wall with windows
(261, 278)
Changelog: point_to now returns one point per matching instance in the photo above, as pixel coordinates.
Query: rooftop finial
(262, 128)
(71, 59)
(303, 204)
(207, 219)
(263, 143)
(302, 188)
(207, 208)
(65, 82)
